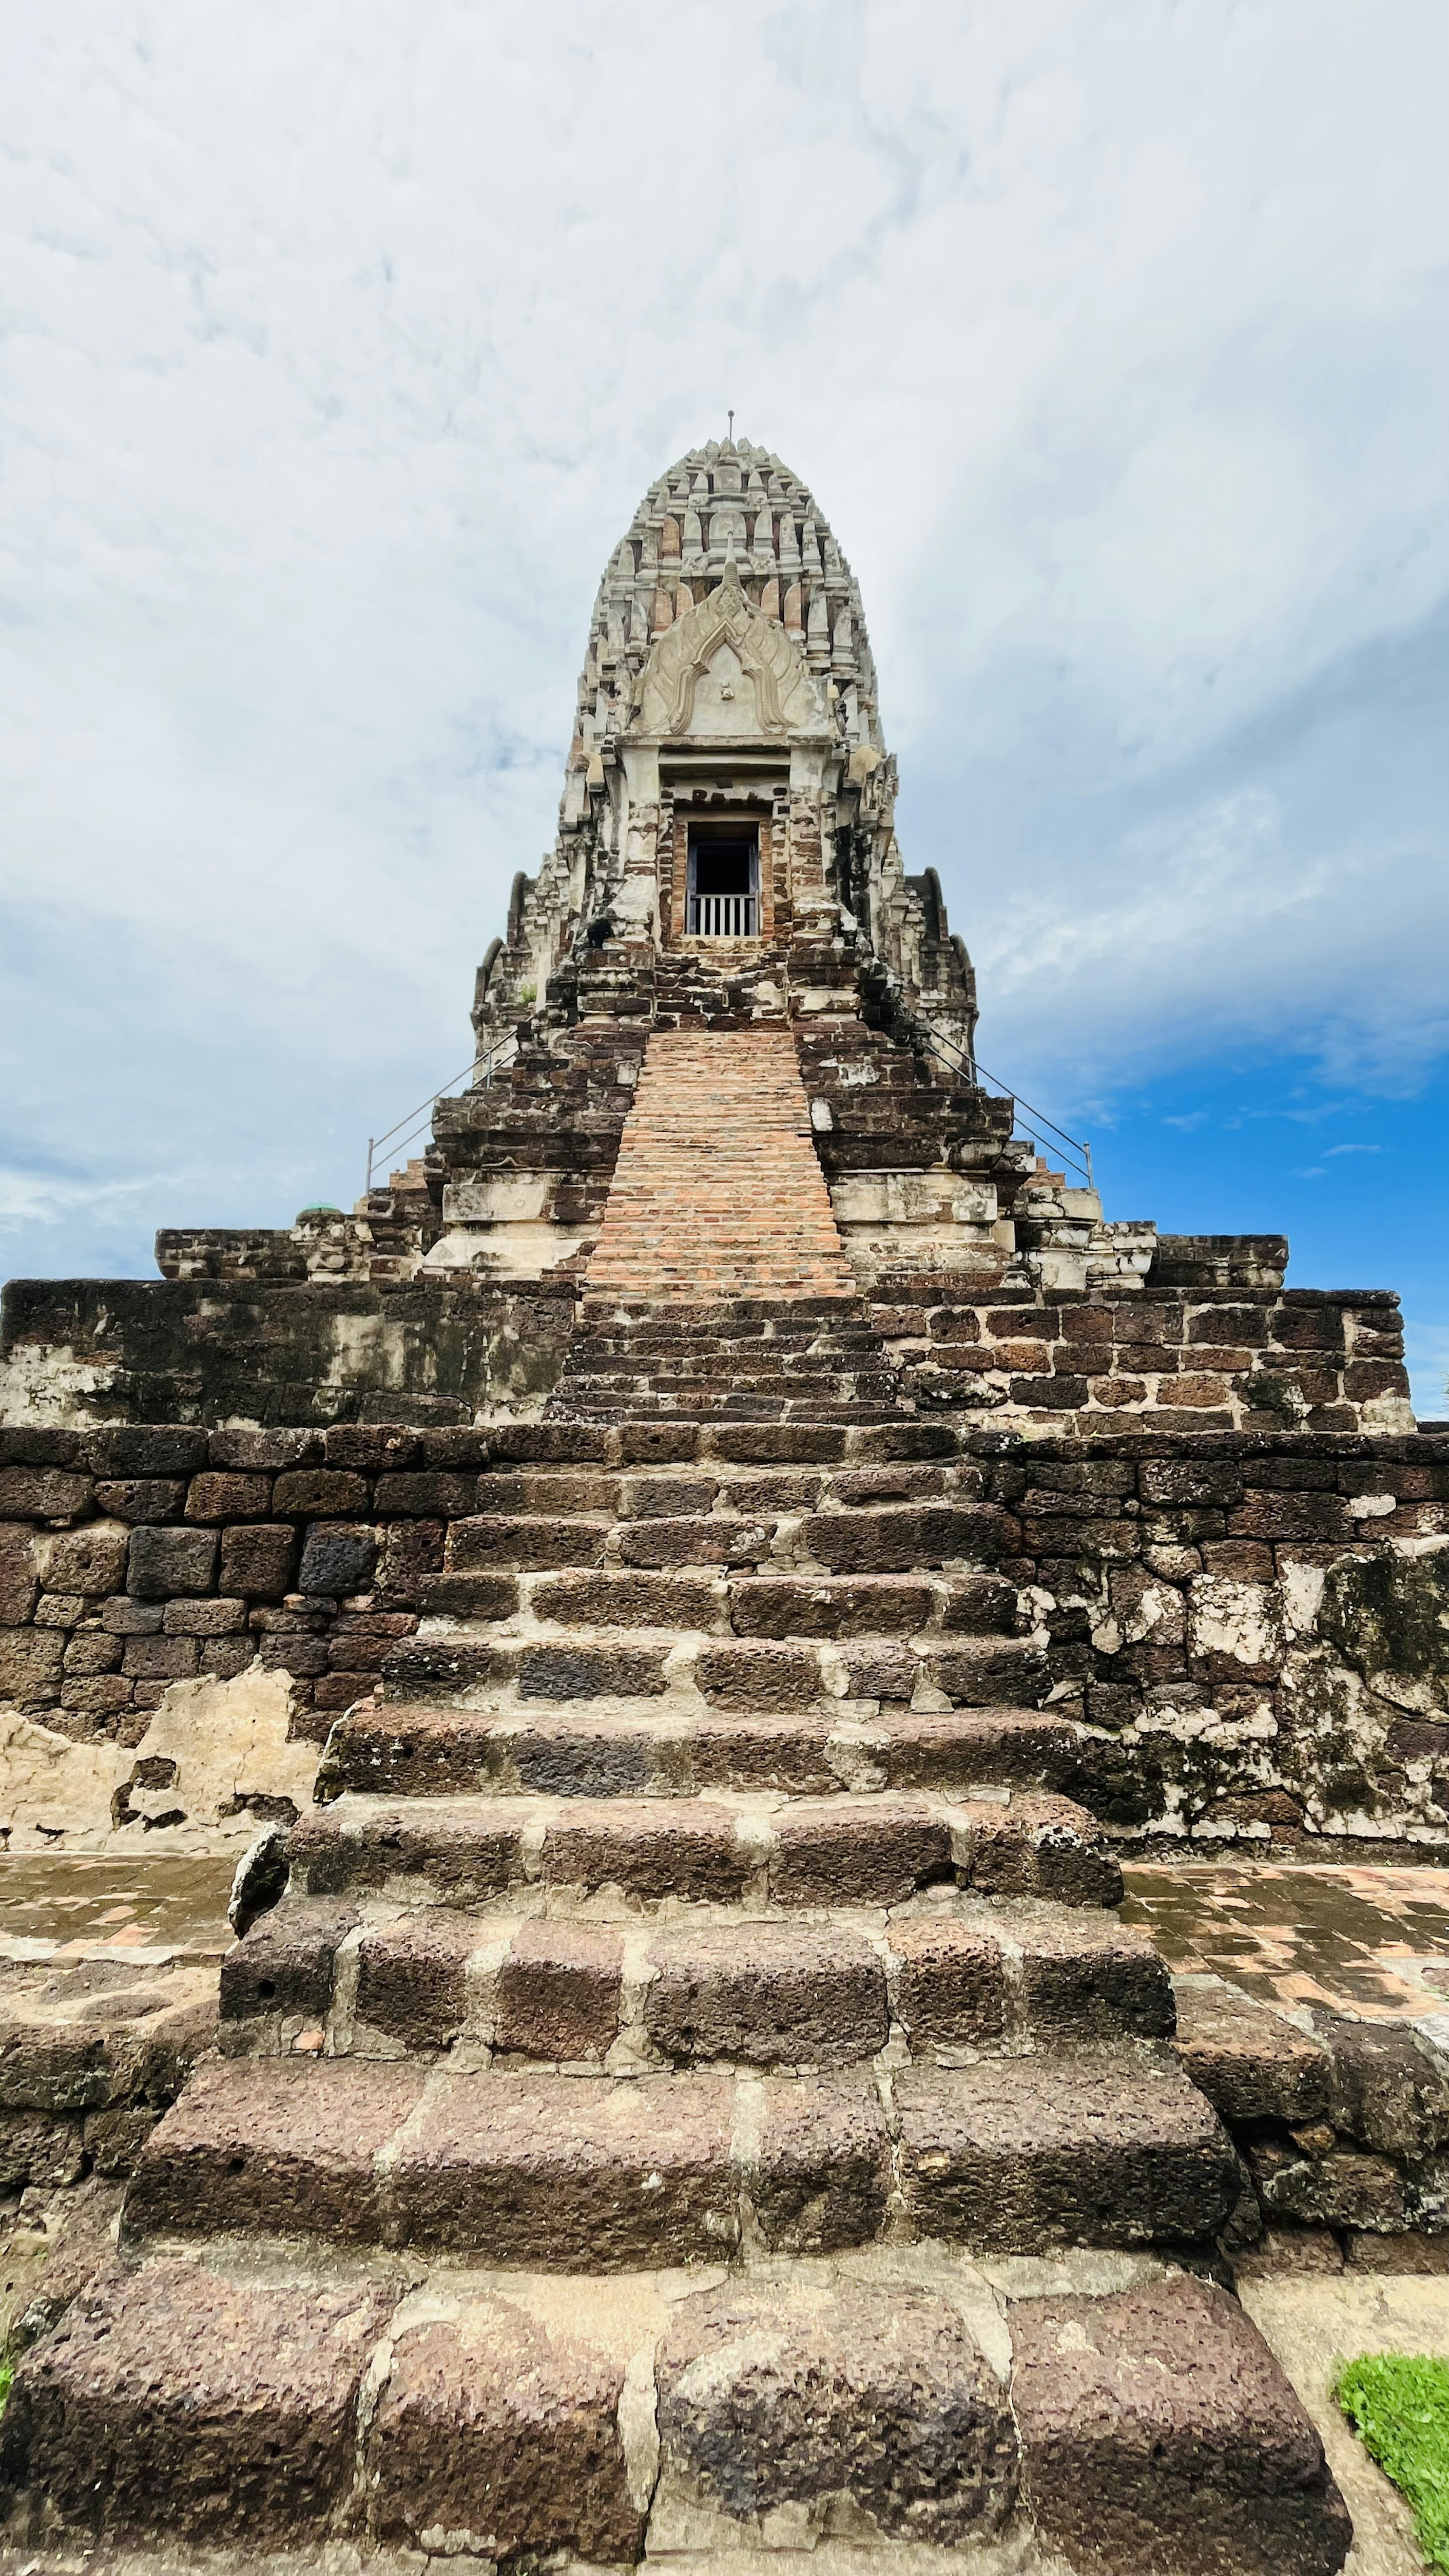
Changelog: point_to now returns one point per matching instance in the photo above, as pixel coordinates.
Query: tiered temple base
(669, 2112)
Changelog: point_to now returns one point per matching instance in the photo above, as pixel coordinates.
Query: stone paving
(1373, 1943)
(1366, 1941)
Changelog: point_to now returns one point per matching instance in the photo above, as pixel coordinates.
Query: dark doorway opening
(724, 880)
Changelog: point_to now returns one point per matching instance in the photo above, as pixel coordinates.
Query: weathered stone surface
(1015, 2155)
(796, 1606)
(571, 2172)
(591, 1672)
(230, 2405)
(950, 1988)
(411, 1975)
(491, 2427)
(463, 1850)
(280, 2144)
(1086, 1976)
(90, 1560)
(284, 1965)
(901, 1540)
(651, 1848)
(338, 1557)
(858, 1851)
(258, 1561)
(559, 1991)
(770, 1679)
(1039, 1845)
(766, 1994)
(1251, 2062)
(1390, 2091)
(1160, 2438)
(872, 2401)
(167, 1561)
(819, 2171)
(31, 1663)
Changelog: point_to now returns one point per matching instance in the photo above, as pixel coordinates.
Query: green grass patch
(7, 2373)
(1399, 2404)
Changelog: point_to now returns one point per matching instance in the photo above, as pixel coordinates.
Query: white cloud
(340, 341)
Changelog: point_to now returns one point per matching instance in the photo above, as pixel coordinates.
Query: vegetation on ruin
(1399, 2405)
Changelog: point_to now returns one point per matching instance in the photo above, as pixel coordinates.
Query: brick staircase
(696, 2092)
(717, 1191)
(810, 1359)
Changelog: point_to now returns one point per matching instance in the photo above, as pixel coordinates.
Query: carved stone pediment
(728, 673)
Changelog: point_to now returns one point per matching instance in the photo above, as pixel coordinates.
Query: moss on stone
(1399, 2405)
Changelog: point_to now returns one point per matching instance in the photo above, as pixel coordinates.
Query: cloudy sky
(338, 344)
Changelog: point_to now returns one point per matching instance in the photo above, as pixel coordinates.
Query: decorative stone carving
(723, 669)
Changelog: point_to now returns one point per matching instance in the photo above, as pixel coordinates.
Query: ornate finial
(732, 427)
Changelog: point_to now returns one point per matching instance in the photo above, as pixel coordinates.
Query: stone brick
(94, 1650)
(459, 1851)
(19, 1572)
(319, 1492)
(371, 1449)
(591, 1672)
(228, 1496)
(281, 2145)
(149, 1449)
(99, 1697)
(768, 1678)
(258, 1561)
(768, 1605)
(1160, 2438)
(900, 1540)
(235, 2402)
(429, 1495)
(587, 2174)
(858, 1851)
(938, 2463)
(559, 1992)
(160, 1659)
(1015, 2155)
(411, 1976)
(90, 1560)
(284, 1965)
(489, 2424)
(224, 1657)
(766, 1994)
(203, 1618)
(264, 1453)
(338, 1557)
(650, 1847)
(950, 1985)
(43, 1494)
(411, 1550)
(1251, 2063)
(31, 1664)
(164, 1562)
(142, 1498)
(822, 2167)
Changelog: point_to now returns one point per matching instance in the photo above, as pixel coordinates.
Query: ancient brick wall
(1180, 1360)
(1249, 1627)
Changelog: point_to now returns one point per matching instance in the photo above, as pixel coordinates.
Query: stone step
(644, 1657)
(947, 1979)
(404, 1749)
(876, 1849)
(761, 1596)
(578, 2420)
(554, 2171)
(884, 1538)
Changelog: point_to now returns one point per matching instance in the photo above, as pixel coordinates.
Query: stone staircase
(717, 1190)
(696, 2093)
(745, 1359)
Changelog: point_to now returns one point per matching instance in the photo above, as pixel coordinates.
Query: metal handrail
(1079, 1145)
(417, 1118)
